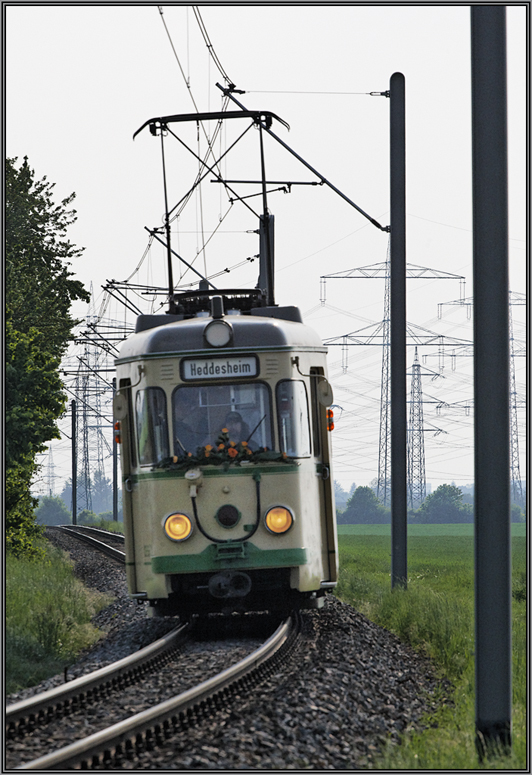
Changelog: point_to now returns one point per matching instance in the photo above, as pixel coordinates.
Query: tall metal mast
(515, 472)
(417, 487)
(379, 270)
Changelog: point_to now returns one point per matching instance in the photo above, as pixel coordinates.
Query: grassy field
(518, 530)
(48, 613)
(436, 616)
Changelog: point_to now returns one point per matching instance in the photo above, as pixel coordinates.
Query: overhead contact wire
(187, 83)
(209, 45)
(186, 80)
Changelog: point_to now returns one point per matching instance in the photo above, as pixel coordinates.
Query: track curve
(143, 730)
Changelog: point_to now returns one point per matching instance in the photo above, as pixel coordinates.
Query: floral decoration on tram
(225, 452)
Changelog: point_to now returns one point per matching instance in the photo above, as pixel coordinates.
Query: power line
(187, 81)
(209, 45)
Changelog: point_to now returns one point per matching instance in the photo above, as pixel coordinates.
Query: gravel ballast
(349, 687)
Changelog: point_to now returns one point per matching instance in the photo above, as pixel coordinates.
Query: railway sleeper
(156, 735)
(149, 741)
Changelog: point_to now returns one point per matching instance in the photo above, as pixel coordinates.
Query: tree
(39, 287)
(39, 293)
(33, 402)
(444, 505)
(340, 495)
(516, 513)
(363, 508)
(21, 528)
(34, 397)
(101, 492)
(52, 511)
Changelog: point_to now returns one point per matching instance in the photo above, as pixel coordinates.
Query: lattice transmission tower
(517, 349)
(50, 473)
(83, 489)
(382, 333)
(515, 469)
(417, 484)
(92, 369)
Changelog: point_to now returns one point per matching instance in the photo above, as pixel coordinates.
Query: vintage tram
(222, 413)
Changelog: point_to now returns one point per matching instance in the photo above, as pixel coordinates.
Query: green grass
(436, 616)
(48, 613)
(518, 529)
(111, 525)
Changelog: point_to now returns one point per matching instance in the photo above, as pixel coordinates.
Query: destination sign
(216, 368)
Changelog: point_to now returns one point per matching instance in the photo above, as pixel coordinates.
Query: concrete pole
(74, 465)
(115, 468)
(493, 647)
(398, 329)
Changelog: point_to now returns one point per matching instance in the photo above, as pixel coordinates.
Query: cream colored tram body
(228, 498)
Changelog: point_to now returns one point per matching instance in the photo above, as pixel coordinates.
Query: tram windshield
(200, 413)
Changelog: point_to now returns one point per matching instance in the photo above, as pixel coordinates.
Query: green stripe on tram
(284, 468)
(210, 558)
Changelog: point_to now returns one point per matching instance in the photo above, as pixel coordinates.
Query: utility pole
(115, 468)
(74, 466)
(493, 624)
(398, 329)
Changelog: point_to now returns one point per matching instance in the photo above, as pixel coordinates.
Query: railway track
(109, 543)
(43, 721)
(26, 715)
(348, 686)
(144, 730)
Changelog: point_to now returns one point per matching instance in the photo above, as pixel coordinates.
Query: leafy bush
(87, 517)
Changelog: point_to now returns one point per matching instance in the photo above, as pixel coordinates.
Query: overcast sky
(81, 79)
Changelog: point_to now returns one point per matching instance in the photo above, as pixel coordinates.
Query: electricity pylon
(382, 270)
(417, 485)
(515, 299)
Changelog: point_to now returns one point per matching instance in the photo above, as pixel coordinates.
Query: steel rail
(55, 700)
(110, 551)
(143, 730)
(96, 530)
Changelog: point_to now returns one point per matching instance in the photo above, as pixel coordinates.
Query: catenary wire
(209, 45)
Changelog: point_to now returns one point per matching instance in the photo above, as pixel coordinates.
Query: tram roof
(156, 334)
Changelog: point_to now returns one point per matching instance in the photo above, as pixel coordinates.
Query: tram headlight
(178, 527)
(279, 519)
(218, 333)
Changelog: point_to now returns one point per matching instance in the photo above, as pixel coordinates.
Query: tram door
(321, 398)
(123, 415)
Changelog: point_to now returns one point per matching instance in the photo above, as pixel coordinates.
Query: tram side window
(152, 427)
(292, 413)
